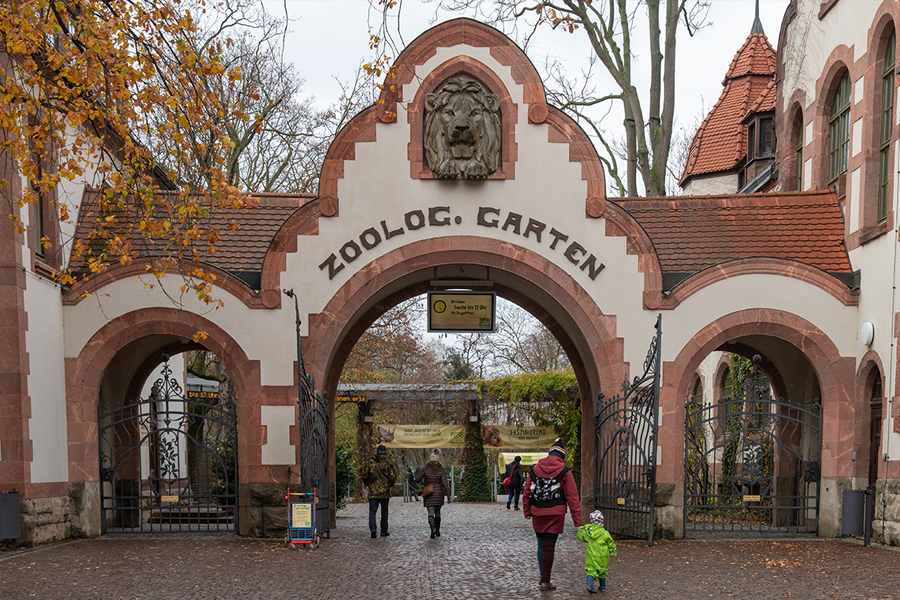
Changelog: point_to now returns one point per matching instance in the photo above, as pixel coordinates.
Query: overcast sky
(329, 38)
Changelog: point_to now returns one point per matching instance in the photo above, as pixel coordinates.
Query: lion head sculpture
(462, 130)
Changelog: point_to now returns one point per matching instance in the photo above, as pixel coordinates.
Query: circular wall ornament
(867, 334)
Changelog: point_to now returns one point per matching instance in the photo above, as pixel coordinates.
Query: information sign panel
(462, 312)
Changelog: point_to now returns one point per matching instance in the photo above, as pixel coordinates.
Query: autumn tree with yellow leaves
(131, 98)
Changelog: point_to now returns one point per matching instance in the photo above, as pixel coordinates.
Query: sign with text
(349, 398)
(529, 437)
(420, 436)
(461, 312)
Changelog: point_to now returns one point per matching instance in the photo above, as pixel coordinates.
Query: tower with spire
(733, 151)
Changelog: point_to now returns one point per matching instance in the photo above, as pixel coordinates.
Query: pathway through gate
(168, 463)
(752, 463)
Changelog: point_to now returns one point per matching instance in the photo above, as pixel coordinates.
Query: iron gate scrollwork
(313, 420)
(168, 463)
(626, 446)
(752, 463)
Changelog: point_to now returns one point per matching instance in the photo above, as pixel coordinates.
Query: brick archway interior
(119, 358)
(802, 362)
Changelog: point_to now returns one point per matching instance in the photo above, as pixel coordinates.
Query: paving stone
(485, 552)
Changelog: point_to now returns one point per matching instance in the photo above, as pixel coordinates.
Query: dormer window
(760, 138)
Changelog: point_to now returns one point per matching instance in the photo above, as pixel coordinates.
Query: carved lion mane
(462, 130)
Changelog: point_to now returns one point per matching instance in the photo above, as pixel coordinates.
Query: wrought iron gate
(625, 446)
(168, 463)
(313, 437)
(752, 463)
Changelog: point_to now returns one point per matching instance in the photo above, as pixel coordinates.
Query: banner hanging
(528, 458)
(453, 436)
(420, 436)
(530, 437)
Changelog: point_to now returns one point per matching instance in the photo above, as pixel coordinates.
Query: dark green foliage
(224, 472)
(345, 475)
(475, 487)
(554, 401)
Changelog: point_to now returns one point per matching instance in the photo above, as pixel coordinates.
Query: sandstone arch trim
(762, 266)
(831, 369)
(329, 328)
(224, 281)
(620, 223)
(458, 32)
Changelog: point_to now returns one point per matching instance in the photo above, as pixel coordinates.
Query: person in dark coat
(414, 488)
(549, 489)
(434, 474)
(516, 479)
(381, 477)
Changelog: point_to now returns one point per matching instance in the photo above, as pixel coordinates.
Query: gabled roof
(721, 143)
(241, 252)
(695, 232)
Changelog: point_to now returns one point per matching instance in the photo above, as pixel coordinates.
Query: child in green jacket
(600, 546)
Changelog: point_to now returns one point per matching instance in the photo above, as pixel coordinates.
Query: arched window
(887, 129)
(839, 129)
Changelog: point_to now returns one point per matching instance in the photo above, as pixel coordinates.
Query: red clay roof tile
(695, 232)
(243, 250)
(721, 140)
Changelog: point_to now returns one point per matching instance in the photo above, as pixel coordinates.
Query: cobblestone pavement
(485, 552)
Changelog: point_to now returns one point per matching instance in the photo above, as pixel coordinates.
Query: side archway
(119, 353)
(792, 344)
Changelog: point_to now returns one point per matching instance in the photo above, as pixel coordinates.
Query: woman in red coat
(550, 487)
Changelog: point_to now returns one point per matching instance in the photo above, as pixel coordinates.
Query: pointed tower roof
(721, 141)
(757, 24)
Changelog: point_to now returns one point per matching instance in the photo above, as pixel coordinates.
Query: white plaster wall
(266, 335)
(46, 379)
(847, 23)
(835, 320)
(277, 420)
(703, 186)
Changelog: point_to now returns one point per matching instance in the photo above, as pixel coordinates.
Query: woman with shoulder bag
(435, 479)
(513, 481)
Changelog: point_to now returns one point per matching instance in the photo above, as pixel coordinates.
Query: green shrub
(345, 475)
(475, 486)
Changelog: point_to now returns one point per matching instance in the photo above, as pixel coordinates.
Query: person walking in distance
(435, 479)
(414, 490)
(549, 489)
(516, 479)
(380, 478)
(600, 546)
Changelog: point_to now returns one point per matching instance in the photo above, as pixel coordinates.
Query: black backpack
(548, 491)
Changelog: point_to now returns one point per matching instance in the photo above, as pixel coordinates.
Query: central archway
(587, 335)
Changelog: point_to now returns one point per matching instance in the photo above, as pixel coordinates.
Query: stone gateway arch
(511, 195)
